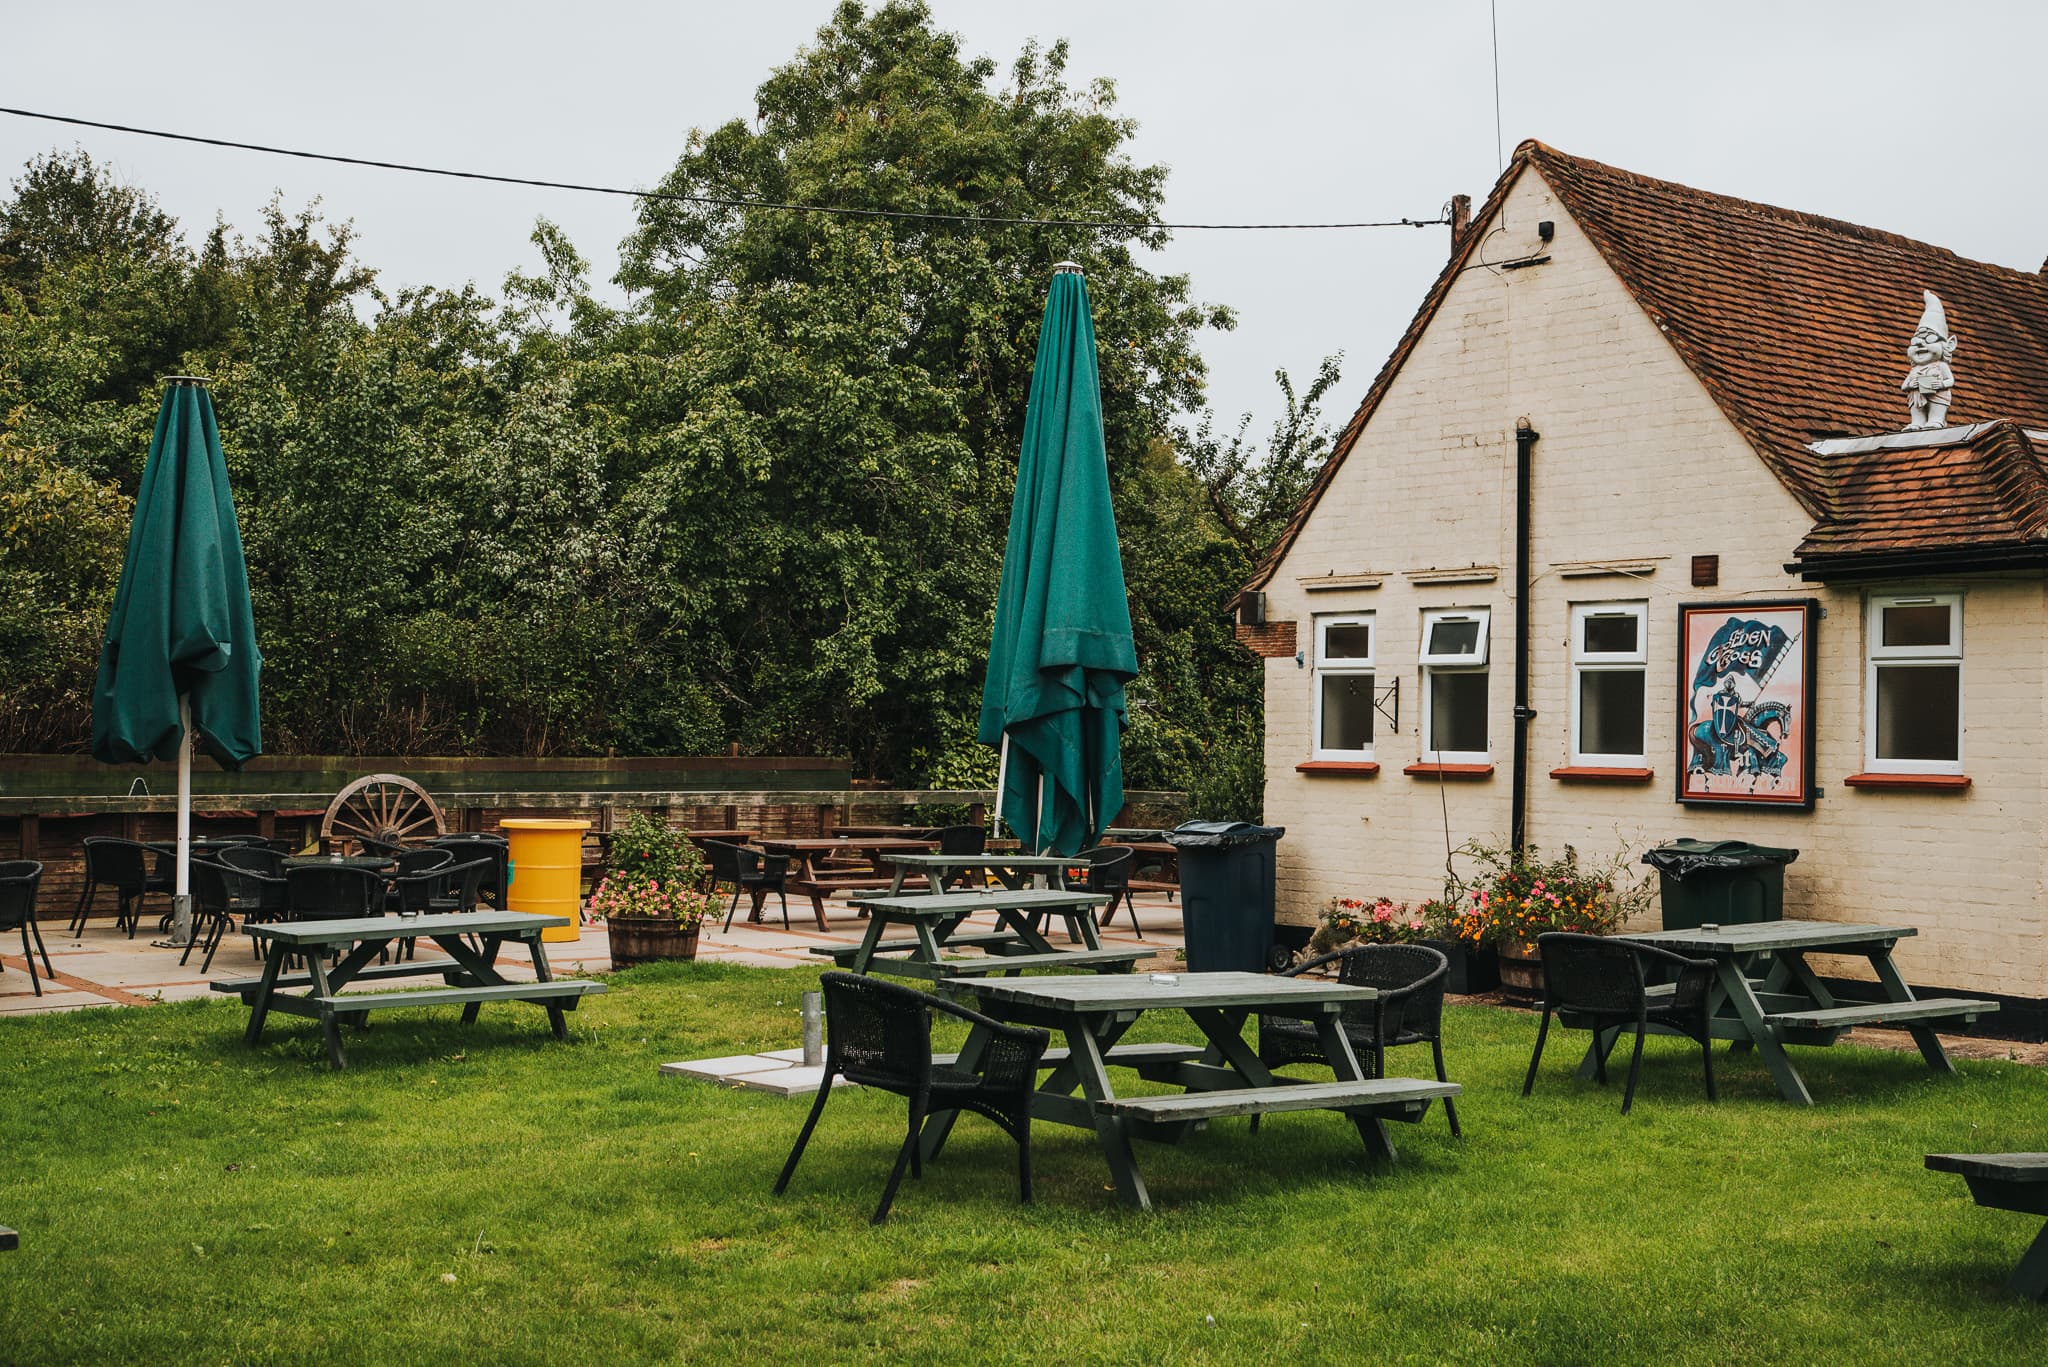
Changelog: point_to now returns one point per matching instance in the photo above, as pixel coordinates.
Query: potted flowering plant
(1520, 895)
(652, 898)
(1380, 921)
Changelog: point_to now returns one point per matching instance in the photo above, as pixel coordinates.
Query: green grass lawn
(487, 1194)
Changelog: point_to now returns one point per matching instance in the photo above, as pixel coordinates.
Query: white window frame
(1586, 661)
(1350, 664)
(1880, 656)
(1441, 663)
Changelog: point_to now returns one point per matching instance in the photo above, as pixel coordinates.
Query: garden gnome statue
(1929, 381)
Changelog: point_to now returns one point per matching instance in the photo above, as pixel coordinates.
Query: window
(1915, 709)
(1344, 681)
(1608, 662)
(1454, 686)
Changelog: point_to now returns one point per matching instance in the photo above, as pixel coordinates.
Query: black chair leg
(783, 898)
(26, 953)
(220, 932)
(1024, 1160)
(1635, 1066)
(804, 1135)
(1542, 1033)
(84, 909)
(733, 908)
(904, 1157)
(1450, 1106)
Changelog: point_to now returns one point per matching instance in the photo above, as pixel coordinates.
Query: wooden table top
(1088, 992)
(354, 928)
(977, 861)
(1757, 937)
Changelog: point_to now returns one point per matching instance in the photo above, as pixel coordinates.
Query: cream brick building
(1698, 382)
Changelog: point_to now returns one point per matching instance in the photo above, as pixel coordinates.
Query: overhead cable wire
(715, 201)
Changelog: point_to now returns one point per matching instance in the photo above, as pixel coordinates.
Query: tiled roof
(1978, 488)
(1797, 325)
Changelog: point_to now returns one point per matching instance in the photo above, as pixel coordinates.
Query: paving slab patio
(103, 967)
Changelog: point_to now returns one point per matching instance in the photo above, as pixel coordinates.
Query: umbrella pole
(181, 888)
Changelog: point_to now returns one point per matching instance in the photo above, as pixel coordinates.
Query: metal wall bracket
(1387, 702)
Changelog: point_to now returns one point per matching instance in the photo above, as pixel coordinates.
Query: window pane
(1917, 711)
(1457, 709)
(1347, 641)
(1454, 638)
(1614, 635)
(1611, 712)
(1347, 712)
(1916, 626)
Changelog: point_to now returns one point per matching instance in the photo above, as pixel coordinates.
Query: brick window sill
(1917, 783)
(1450, 770)
(1587, 773)
(1361, 768)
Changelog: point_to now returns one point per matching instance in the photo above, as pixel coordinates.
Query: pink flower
(1383, 912)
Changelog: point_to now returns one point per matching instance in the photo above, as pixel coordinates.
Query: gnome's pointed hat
(1933, 318)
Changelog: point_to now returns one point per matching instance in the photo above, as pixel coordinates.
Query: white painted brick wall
(1635, 460)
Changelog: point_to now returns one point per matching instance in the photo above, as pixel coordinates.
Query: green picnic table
(1766, 995)
(2009, 1181)
(1016, 944)
(469, 975)
(1013, 871)
(1223, 1078)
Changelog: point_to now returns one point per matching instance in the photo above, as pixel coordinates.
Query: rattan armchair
(879, 1034)
(1107, 868)
(749, 871)
(20, 880)
(1605, 983)
(1408, 1010)
(132, 869)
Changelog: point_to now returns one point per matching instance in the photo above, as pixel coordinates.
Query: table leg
(1895, 989)
(866, 952)
(1085, 923)
(1751, 1012)
(2030, 1278)
(1379, 1145)
(939, 1124)
(1225, 1033)
(558, 1020)
(275, 953)
(1084, 1052)
(1021, 925)
(1062, 1080)
(927, 942)
(330, 1024)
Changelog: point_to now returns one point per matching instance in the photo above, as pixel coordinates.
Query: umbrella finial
(1068, 268)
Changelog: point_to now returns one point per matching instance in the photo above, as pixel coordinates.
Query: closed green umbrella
(179, 660)
(1062, 651)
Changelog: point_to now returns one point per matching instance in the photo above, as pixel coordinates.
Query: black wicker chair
(879, 1034)
(1408, 1010)
(470, 845)
(1604, 982)
(331, 892)
(256, 897)
(411, 863)
(1108, 869)
(749, 871)
(132, 869)
(258, 859)
(214, 886)
(20, 880)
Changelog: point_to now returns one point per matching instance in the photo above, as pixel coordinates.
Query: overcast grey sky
(1919, 119)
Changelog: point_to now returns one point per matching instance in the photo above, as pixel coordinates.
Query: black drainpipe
(1525, 444)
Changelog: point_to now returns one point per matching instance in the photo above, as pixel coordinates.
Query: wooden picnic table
(2009, 1181)
(470, 975)
(907, 832)
(1765, 995)
(1223, 1078)
(1148, 853)
(813, 878)
(1016, 943)
(735, 836)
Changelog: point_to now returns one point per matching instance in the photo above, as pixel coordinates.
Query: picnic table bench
(2009, 1181)
(1222, 1078)
(470, 975)
(1766, 996)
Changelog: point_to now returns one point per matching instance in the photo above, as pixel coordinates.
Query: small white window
(1344, 687)
(1454, 686)
(1609, 660)
(1914, 709)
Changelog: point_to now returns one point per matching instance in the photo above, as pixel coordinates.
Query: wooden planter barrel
(1521, 971)
(650, 939)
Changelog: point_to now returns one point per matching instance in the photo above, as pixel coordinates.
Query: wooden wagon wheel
(388, 808)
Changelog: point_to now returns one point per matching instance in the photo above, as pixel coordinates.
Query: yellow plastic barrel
(547, 871)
